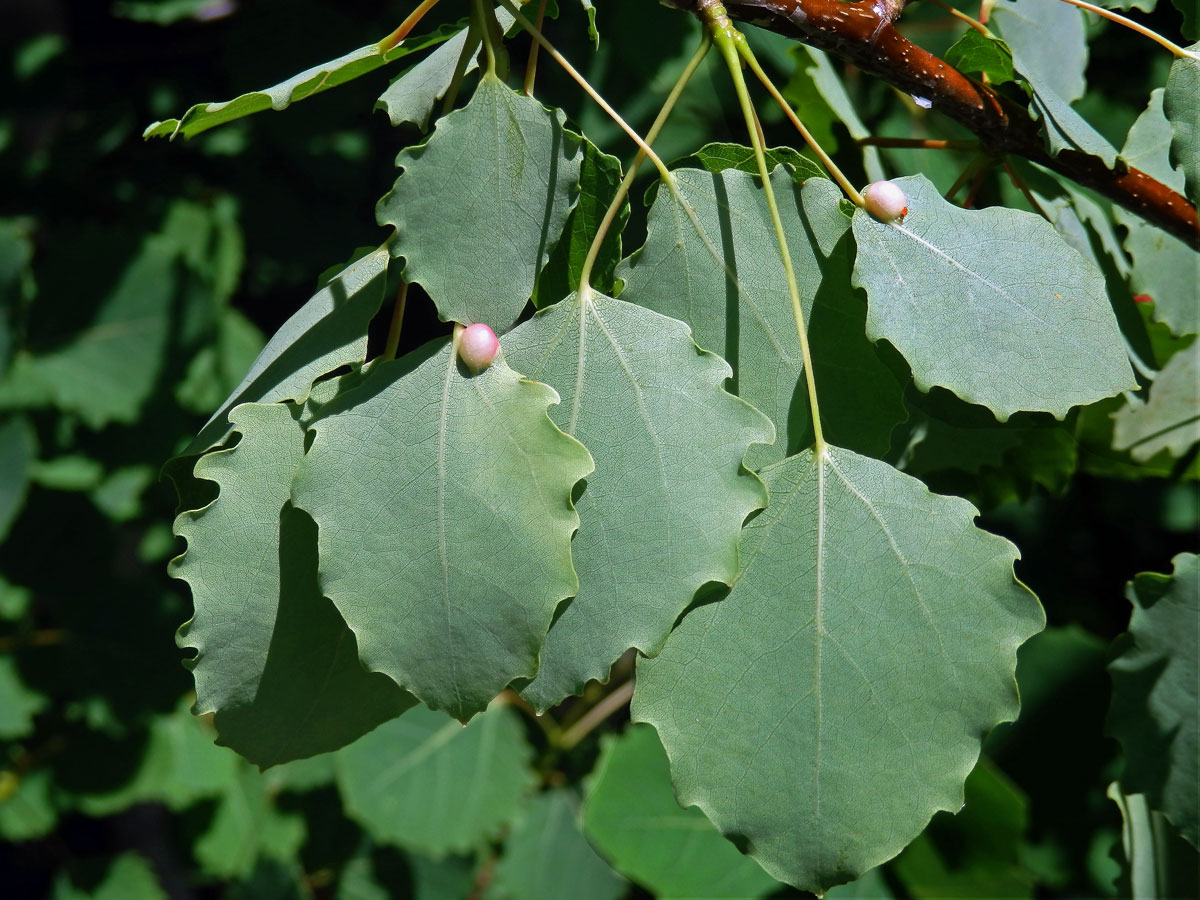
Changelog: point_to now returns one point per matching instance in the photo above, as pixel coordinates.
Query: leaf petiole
(732, 46)
(589, 262)
(746, 54)
(1134, 26)
(480, 14)
(406, 27)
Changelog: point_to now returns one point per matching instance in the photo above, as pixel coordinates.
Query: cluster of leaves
(377, 547)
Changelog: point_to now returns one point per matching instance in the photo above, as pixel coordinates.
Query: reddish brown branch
(862, 34)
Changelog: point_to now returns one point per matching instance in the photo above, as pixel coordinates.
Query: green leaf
(27, 810)
(482, 203)
(989, 56)
(106, 371)
(272, 879)
(1158, 862)
(546, 857)
(1170, 419)
(1164, 267)
(18, 703)
(219, 366)
(18, 453)
(835, 699)
(1048, 44)
(179, 766)
(247, 826)
(119, 495)
(444, 508)
(308, 83)
(718, 157)
(1179, 105)
(425, 782)
(1049, 51)
(1190, 10)
(590, 8)
(956, 448)
(124, 877)
(328, 331)
(1067, 130)
(990, 304)
(741, 308)
(1154, 705)
(67, 473)
(976, 853)
(871, 886)
(831, 88)
(663, 511)
(412, 96)
(599, 177)
(274, 660)
(632, 817)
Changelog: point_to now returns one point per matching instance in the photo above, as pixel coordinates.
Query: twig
(858, 33)
(596, 715)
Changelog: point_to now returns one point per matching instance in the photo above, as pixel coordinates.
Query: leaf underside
(328, 331)
(443, 503)
(835, 699)
(1179, 104)
(1170, 418)
(481, 204)
(740, 306)
(662, 513)
(275, 661)
(991, 304)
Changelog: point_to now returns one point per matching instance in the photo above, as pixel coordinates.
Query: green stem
(537, 35)
(744, 52)
(480, 13)
(1134, 26)
(614, 207)
(974, 23)
(393, 338)
(531, 63)
(729, 43)
(664, 173)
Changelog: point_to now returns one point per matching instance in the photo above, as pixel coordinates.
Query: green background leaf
(424, 781)
(546, 857)
(1154, 707)
(632, 817)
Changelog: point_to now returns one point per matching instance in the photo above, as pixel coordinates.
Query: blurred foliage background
(137, 282)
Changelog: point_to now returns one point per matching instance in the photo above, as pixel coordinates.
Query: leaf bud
(885, 201)
(478, 346)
